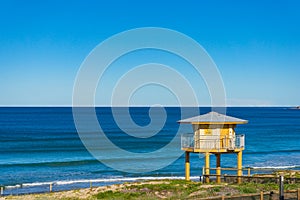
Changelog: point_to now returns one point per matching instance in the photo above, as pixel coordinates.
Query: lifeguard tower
(213, 134)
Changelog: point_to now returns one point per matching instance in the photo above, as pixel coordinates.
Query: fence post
(50, 187)
(223, 197)
(281, 189)
(2, 188)
(203, 174)
(298, 194)
(249, 172)
(261, 195)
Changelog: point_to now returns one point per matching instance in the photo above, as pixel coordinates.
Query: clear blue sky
(255, 44)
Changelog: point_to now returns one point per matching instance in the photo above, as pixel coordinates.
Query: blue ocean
(40, 145)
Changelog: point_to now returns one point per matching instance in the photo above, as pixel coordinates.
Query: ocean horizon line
(147, 106)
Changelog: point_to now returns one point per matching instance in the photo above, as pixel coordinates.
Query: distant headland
(296, 108)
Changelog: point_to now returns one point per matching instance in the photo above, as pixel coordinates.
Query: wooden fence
(248, 177)
(259, 179)
(288, 195)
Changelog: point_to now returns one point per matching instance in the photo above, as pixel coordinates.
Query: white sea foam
(101, 180)
(13, 186)
(36, 184)
(277, 167)
(120, 179)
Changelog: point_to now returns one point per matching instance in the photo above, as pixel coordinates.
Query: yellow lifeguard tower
(213, 134)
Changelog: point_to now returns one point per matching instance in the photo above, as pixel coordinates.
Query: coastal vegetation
(163, 189)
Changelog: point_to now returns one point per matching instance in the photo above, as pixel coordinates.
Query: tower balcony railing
(214, 143)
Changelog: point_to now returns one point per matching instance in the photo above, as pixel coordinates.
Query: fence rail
(272, 195)
(214, 174)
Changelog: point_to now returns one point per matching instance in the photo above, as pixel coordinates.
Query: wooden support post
(223, 197)
(187, 166)
(206, 167)
(298, 194)
(50, 187)
(203, 174)
(1, 193)
(239, 166)
(218, 160)
(261, 195)
(249, 173)
(218, 166)
(218, 173)
(281, 188)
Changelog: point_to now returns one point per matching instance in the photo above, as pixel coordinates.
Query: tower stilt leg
(187, 166)
(239, 166)
(206, 167)
(218, 166)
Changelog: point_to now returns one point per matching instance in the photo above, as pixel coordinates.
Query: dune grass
(163, 189)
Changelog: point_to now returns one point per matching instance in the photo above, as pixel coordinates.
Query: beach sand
(160, 189)
(80, 193)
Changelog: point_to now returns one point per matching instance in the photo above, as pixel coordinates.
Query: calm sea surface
(41, 145)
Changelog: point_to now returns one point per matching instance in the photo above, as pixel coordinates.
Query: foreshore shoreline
(162, 189)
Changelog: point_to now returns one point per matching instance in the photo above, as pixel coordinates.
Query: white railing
(240, 141)
(212, 142)
(187, 140)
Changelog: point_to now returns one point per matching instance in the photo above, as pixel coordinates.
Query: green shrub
(247, 189)
(118, 195)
